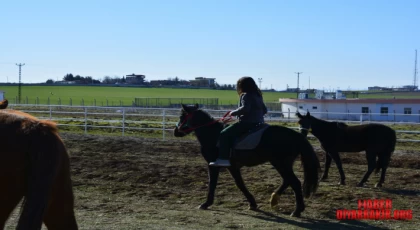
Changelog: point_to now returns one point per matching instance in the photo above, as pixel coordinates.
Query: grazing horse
(278, 145)
(376, 139)
(34, 164)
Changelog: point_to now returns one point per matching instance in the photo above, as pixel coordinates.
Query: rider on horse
(251, 113)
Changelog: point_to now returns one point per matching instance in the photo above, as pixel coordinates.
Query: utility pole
(309, 83)
(260, 80)
(415, 72)
(297, 89)
(20, 83)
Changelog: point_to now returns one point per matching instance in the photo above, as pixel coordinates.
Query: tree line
(77, 79)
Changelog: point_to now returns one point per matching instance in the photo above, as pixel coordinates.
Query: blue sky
(338, 44)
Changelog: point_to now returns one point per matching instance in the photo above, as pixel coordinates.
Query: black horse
(279, 145)
(376, 139)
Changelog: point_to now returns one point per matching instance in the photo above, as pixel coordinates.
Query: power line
(297, 89)
(20, 83)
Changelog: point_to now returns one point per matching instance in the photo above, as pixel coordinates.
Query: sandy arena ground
(134, 183)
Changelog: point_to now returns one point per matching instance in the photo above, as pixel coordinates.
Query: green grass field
(389, 95)
(116, 96)
(124, 95)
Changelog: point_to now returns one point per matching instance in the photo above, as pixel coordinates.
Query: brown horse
(4, 104)
(34, 164)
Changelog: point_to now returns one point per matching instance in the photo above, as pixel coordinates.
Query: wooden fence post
(85, 120)
(123, 121)
(163, 124)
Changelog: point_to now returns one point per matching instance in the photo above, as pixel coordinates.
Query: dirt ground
(134, 183)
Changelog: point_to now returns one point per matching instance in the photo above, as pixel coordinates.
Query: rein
(225, 119)
(309, 130)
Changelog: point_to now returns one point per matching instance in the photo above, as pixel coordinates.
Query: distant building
(403, 88)
(65, 82)
(169, 82)
(135, 79)
(292, 90)
(375, 88)
(408, 88)
(407, 110)
(320, 94)
(203, 82)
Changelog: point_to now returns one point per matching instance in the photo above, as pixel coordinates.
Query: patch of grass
(390, 95)
(116, 96)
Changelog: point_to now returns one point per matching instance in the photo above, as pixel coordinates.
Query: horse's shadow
(309, 223)
(404, 192)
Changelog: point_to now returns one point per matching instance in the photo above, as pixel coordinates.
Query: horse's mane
(205, 113)
(330, 124)
(27, 121)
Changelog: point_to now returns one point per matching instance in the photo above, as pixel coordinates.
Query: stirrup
(220, 163)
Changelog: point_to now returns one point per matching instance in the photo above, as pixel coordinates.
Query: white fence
(130, 118)
(387, 118)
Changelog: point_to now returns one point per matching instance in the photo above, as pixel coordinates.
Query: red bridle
(225, 119)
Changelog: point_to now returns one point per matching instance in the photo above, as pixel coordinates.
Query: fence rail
(157, 119)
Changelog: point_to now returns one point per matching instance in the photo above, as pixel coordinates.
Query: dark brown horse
(34, 164)
(376, 139)
(279, 145)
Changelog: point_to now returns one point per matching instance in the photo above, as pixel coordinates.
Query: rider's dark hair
(247, 85)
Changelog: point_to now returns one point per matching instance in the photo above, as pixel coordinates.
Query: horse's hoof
(274, 200)
(360, 185)
(378, 185)
(323, 178)
(342, 183)
(253, 207)
(203, 207)
(295, 214)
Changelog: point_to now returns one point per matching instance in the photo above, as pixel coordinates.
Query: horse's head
(305, 123)
(191, 118)
(3, 104)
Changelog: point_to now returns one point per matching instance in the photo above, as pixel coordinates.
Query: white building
(404, 110)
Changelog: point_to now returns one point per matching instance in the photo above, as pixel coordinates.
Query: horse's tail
(4, 104)
(385, 157)
(44, 160)
(311, 167)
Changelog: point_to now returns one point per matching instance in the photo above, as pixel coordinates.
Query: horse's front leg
(371, 159)
(236, 174)
(213, 176)
(326, 166)
(336, 157)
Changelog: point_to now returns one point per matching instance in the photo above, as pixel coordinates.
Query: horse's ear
(299, 115)
(184, 107)
(308, 114)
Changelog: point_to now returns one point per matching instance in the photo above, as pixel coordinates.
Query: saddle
(341, 125)
(250, 139)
